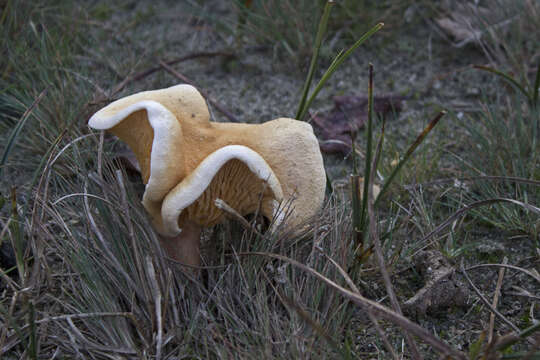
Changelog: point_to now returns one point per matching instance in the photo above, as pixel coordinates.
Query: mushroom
(188, 162)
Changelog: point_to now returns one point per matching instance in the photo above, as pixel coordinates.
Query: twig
(150, 71)
(55, 202)
(227, 114)
(496, 300)
(485, 301)
(222, 205)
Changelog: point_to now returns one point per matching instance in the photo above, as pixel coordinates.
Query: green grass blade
(338, 60)
(356, 213)
(536, 86)
(506, 77)
(355, 196)
(318, 41)
(408, 154)
(369, 151)
(17, 130)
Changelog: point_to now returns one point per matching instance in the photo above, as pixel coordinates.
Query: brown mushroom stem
(184, 247)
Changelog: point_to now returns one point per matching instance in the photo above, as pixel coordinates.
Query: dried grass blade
(156, 293)
(372, 317)
(496, 300)
(105, 246)
(474, 178)
(504, 76)
(474, 205)
(525, 271)
(92, 345)
(371, 305)
(485, 301)
(319, 329)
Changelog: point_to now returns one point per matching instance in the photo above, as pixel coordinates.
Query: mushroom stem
(184, 247)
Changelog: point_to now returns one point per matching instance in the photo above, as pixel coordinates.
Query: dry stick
(373, 306)
(150, 71)
(485, 301)
(496, 300)
(222, 205)
(378, 249)
(227, 114)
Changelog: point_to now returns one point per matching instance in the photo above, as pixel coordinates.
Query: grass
(90, 280)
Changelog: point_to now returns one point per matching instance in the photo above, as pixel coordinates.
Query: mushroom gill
(240, 188)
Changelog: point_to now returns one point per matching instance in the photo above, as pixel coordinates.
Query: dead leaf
(348, 115)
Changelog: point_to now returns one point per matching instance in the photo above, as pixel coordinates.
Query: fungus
(188, 162)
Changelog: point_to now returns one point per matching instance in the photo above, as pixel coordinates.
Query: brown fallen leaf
(349, 114)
